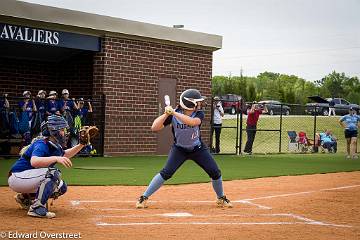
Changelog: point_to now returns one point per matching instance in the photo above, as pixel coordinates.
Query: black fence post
(281, 114)
(102, 142)
(240, 127)
(238, 111)
(315, 114)
(211, 123)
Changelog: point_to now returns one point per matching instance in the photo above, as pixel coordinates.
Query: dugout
(128, 65)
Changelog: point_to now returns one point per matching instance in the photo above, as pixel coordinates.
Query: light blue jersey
(185, 136)
(351, 122)
(326, 138)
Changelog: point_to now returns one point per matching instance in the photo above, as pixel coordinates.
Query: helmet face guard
(190, 98)
(60, 139)
(52, 128)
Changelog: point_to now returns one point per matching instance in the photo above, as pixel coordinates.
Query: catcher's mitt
(87, 133)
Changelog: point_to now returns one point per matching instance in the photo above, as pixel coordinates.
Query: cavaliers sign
(10, 32)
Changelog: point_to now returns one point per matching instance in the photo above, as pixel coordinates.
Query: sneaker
(23, 201)
(141, 203)
(40, 212)
(224, 202)
(355, 157)
(348, 156)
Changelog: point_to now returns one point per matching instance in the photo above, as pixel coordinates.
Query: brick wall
(127, 72)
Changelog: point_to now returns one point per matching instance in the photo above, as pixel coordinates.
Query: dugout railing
(15, 133)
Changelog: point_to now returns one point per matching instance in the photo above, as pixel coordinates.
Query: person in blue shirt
(67, 104)
(28, 106)
(34, 175)
(41, 104)
(350, 123)
(328, 141)
(83, 111)
(53, 106)
(185, 121)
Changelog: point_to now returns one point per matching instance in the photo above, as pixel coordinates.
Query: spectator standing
(53, 106)
(350, 123)
(41, 104)
(253, 115)
(83, 111)
(68, 109)
(66, 103)
(332, 107)
(28, 107)
(217, 122)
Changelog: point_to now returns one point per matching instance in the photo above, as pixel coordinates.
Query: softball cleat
(224, 202)
(40, 212)
(142, 202)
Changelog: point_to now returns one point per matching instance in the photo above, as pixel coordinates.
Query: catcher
(34, 175)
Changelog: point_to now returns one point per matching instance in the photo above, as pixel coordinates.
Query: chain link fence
(19, 127)
(285, 128)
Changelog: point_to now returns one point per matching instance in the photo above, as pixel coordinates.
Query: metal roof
(35, 15)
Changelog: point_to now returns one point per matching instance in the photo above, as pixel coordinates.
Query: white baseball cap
(26, 93)
(64, 91)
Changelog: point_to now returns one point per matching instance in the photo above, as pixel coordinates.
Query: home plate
(180, 214)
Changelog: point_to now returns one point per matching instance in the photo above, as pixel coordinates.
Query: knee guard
(59, 190)
(215, 174)
(47, 186)
(165, 174)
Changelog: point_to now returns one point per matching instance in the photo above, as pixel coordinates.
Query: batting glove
(169, 110)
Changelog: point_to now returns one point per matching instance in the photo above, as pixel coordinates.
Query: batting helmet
(189, 99)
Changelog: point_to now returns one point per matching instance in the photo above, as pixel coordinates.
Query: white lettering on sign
(10, 32)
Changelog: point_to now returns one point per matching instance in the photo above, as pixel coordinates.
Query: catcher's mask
(190, 98)
(56, 126)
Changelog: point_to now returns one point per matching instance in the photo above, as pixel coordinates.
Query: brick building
(130, 64)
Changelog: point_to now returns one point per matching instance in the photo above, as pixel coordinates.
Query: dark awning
(318, 99)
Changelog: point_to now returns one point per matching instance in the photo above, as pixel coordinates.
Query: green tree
(251, 93)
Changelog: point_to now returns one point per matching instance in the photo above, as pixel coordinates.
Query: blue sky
(307, 38)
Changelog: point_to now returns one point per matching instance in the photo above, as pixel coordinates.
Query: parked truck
(321, 106)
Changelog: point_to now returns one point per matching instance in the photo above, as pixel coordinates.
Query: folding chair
(305, 144)
(293, 145)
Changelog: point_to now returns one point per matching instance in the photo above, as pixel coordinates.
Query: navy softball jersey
(188, 145)
(185, 136)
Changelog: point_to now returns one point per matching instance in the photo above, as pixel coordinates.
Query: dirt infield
(322, 206)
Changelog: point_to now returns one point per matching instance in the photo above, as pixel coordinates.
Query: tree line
(287, 88)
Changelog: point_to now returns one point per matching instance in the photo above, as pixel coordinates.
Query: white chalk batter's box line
(243, 201)
(300, 220)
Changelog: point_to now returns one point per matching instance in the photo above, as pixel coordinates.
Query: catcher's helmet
(189, 99)
(52, 126)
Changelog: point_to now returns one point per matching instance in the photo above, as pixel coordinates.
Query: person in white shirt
(217, 122)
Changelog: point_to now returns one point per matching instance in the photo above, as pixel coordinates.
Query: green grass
(268, 142)
(232, 167)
